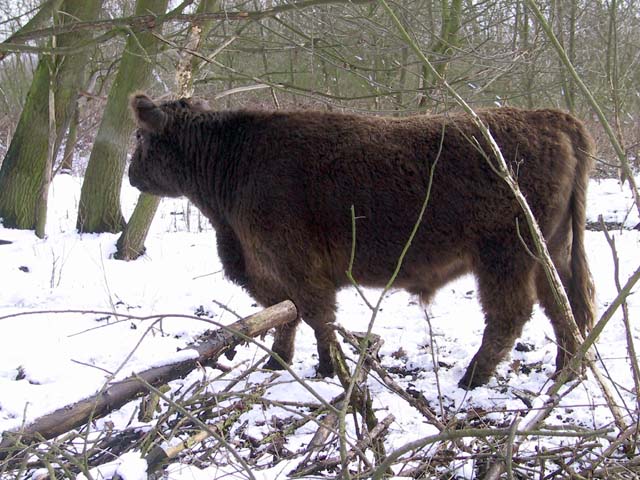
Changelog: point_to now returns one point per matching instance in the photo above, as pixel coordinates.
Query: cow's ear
(200, 104)
(147, 114)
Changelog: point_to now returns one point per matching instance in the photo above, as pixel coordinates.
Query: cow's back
(313, 167)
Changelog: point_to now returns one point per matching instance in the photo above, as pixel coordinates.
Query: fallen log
(116, 394)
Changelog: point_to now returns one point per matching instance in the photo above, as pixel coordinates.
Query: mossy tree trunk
(444, 46)
(99, 210)
(130, 244)
(26, 169)
(66, 166)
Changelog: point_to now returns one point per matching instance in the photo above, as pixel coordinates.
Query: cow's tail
(581, 289)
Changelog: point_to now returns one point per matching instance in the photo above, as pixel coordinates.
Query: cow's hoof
(472, 380)
(325, 372)
(273, 364)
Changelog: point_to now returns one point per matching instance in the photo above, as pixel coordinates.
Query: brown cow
(278, 188)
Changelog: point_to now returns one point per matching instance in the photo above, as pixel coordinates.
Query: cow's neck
(216, 163)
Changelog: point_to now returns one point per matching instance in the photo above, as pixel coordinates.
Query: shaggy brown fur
(278, 188)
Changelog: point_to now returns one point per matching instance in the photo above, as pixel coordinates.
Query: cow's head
(158, 164)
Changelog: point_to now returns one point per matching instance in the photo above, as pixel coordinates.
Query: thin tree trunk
(72, 138)
(52, 148)
(613, 74)
(529, 67)
(99, 210)
(130, 244)
(25, 174)
(443, 48)
(402, 80)
(568, 87)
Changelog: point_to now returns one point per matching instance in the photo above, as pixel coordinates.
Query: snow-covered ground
(49, 360)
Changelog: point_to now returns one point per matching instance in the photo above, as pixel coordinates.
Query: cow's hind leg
(507, 297)
(567, 343)
(314, 295)
(565, 340)
(320, 316)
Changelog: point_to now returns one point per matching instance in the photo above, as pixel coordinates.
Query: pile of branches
(204, 423)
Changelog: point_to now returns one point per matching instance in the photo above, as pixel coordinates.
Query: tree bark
(442, 51)
(66, 166)
(119, 393)
(25, 172)
(99, 210)
(130, 244)
(568, 26)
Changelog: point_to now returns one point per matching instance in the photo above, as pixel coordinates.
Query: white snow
(61, 337)
(129, 466)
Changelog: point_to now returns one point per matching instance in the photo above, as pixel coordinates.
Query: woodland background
(80, 60)
(67, 68)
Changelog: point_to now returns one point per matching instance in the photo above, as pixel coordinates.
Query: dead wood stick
(375, 434)
(159, 455)
(115, 395)
(326, 426)
(417, 400)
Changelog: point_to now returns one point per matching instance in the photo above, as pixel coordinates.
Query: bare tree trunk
(25, 172)
(442, 50)
(66, 166)
(402, 80)
(130, 244)
(99, 210)
(568, 86)
(613, 73)
(530, 72)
